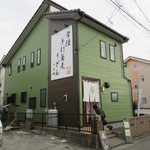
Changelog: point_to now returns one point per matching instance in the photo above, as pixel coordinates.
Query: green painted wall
(93, 66)
(36, 77)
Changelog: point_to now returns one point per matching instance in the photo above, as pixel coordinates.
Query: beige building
(139, 70)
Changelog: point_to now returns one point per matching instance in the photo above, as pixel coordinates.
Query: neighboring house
(2, 76)
(68, 60)
(139, 70)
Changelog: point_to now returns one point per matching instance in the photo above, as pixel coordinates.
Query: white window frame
(38, 56)
(32, 60)
(10, 69)
(103, 51)
(112, 53)
(24, 63)
(19, 65)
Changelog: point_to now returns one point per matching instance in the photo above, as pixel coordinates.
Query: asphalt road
(21, 140)
(139, 144)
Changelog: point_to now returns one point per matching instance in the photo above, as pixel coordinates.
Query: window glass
(10, 69)
(144, 100)
(32, 102)
(142, 78)
(24, 63)
(112, 53)
(19, 64)
(38, 56)
(103, 49)
(43, 97)
(23, 97)
(135, 66)
(32, 60)
(114, 96)
(136, 87)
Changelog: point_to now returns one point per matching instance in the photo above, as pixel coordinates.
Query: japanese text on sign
(62, 54)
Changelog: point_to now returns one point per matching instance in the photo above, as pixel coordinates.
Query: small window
(32, 102)
(10, 69)
(24, 63)
(114, 97)
(144, 100)
(9, 100)
(112, 53)
(32, 60)
(43, 97)
(142, 78)
(19, 65)
(136, 87)
(103, 49)
(38, 56)
(23, 97)
(13, 96)
(134, 66)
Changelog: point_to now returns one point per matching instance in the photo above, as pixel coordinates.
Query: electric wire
(141, 11)
(130, 16)
(131, 21)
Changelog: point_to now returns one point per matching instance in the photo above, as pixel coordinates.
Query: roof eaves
(107, 30)
(77, 14)
(137, 59)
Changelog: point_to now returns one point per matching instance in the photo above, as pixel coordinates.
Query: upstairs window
(38, 56)
(136, 87)
(142, 78)
(24, 63)
(10, 69)
(112, 53)
(19, 65)
(103, 49)
(134, 66)
(32, 60)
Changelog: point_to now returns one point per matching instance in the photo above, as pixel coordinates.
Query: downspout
(127, 80)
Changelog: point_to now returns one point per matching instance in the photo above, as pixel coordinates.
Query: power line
(131, 21)
(141, 11)
(130, 16)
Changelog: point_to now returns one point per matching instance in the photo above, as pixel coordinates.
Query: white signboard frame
(62, 54)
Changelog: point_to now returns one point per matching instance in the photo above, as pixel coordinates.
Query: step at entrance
(113, 140)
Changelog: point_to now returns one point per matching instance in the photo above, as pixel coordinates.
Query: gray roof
(77, 14)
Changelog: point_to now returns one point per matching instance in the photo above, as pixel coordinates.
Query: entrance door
(91, 96)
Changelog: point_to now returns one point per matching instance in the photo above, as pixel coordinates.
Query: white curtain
(91, 91)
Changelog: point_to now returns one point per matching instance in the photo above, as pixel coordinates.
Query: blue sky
(15, 14)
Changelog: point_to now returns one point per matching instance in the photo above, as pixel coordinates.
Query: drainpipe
(128, 81)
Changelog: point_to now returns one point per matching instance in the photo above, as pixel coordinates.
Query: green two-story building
(68, 60)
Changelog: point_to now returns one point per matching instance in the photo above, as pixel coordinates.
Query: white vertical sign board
(139, 99)
(62, 54)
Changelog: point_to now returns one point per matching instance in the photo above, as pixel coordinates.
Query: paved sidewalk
(139, 144)
(21, 140)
